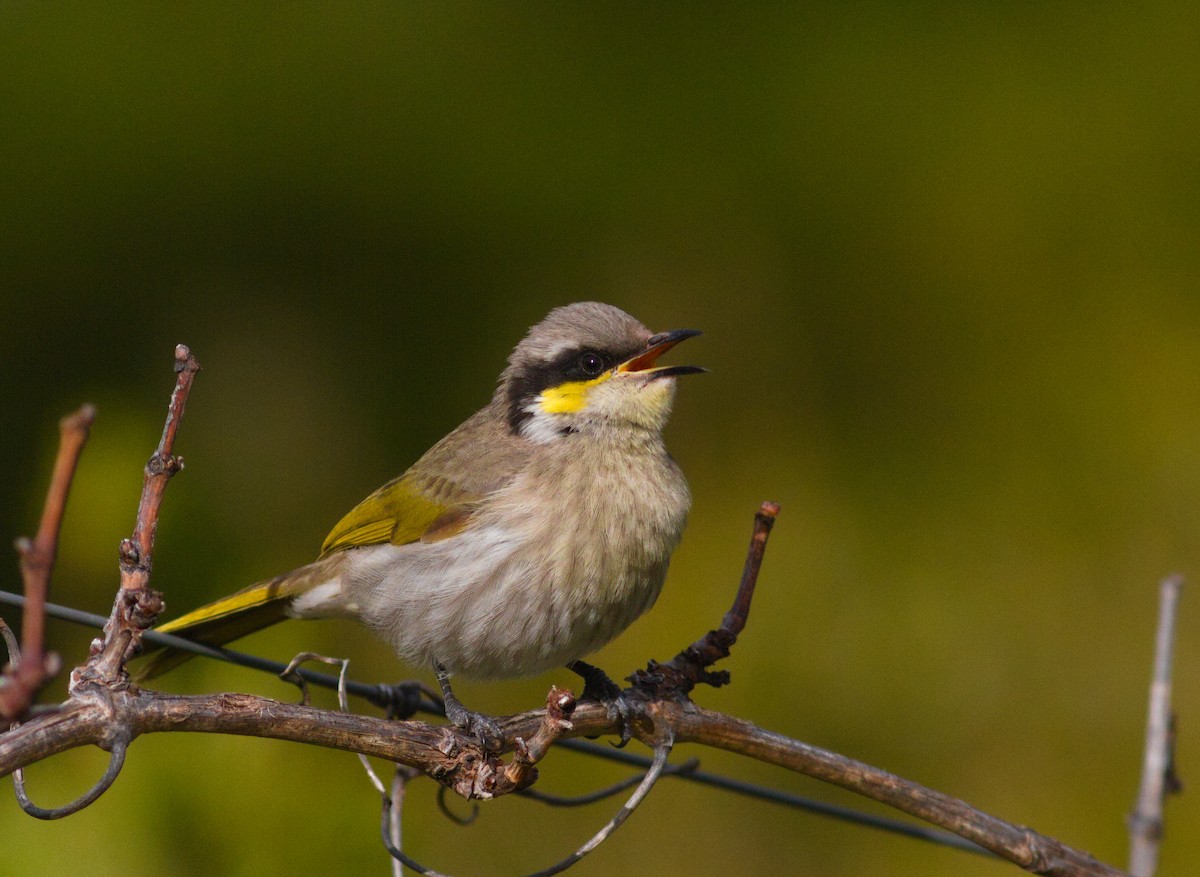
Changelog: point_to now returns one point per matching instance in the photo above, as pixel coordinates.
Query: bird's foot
(599, 686)
(485, 729)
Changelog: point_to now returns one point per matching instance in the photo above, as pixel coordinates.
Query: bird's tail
(222, 621)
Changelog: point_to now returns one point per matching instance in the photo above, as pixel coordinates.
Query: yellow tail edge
(220, 622)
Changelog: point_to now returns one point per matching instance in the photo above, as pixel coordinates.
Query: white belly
(488, 605)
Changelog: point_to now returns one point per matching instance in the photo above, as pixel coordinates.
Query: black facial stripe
(528, 383)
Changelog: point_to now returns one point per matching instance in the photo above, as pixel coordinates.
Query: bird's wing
(436, 498)
(399, 512)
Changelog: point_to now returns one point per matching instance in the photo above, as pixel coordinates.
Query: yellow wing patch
(396, 513)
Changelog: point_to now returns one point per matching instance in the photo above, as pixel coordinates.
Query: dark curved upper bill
(658, 345)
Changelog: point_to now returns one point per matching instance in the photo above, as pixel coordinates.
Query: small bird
(527, 538)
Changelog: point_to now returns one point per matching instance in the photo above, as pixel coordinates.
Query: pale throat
(558, 412)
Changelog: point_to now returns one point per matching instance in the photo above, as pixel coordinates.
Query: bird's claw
(598, 686)
(485, 729)
(621, 711)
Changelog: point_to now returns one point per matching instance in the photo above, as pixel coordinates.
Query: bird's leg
(485, 729)
(599, 686)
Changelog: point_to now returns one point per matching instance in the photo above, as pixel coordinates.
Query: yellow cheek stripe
(569, 397)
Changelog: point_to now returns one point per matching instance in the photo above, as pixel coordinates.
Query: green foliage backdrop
(946, 259)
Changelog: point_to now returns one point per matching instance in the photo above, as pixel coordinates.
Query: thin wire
(451, 815)
(551, 800)
(661, 751)
(383, 695)
(786, 799)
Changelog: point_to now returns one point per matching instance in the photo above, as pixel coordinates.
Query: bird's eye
(591, 364)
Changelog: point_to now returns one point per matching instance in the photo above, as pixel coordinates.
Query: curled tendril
(115, 762)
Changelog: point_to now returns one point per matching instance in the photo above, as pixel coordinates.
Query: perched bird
(530, 536)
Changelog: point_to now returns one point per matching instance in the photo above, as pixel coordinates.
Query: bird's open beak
(659, 344)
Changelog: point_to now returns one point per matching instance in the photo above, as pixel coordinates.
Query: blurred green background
(946, 259)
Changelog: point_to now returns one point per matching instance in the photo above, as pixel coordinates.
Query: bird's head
(590, 367)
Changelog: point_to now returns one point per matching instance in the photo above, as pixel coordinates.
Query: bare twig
(1158, 777)
(137, 605)
(735, 619)
(161, 466)
(521, 771)
(390, 696)
(662, 750)
(23, 681)
(687, 669)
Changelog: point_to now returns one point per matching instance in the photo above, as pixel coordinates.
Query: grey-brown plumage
(528, 537)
